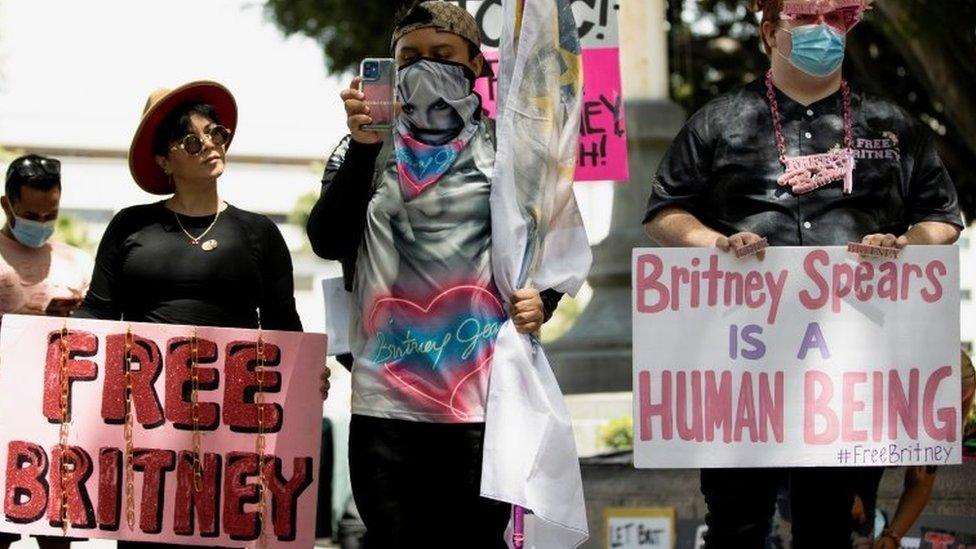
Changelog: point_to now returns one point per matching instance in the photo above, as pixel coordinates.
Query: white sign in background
(811, 357)
(337, 304)
(640, 533)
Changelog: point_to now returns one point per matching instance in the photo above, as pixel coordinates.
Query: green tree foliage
(918, 53)
(302, 209)
(618, 434)
(563, 318)
(74, 232)
(7, 156)
(347, 30)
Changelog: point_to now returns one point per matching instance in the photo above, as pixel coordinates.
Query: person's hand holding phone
(357, 114)
(63, 306)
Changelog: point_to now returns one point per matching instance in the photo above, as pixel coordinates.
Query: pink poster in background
(169, 507)
(603, 136)
(603, 133)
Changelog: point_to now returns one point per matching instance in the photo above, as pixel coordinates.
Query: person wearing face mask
(38, 276)
(802, 158)
(408, 214)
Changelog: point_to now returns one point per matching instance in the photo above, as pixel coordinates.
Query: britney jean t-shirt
(426, 313)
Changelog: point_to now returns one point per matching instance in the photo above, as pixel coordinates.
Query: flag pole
(518, 527)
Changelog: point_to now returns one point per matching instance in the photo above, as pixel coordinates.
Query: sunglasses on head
(193, 144)
(29, 168)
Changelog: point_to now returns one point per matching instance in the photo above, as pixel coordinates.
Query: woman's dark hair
(177, 124)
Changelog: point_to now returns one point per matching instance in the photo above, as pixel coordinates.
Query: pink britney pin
(868, 250)
(751, 249)
(808, 173)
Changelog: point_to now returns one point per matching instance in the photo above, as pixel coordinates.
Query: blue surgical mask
(818, 50)
(32, 234)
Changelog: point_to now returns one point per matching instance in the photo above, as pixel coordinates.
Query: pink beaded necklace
(810, 172)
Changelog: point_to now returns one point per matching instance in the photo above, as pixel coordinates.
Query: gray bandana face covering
(437, 100)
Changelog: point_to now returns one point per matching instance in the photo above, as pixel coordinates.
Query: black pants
(741, 501)
(417, 485)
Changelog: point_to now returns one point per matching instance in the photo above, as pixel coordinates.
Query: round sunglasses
(193, 143)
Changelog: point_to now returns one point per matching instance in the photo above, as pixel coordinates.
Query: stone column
(595, 355)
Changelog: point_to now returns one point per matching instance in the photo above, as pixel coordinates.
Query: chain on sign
(259, 443)
(65, 462)
(195, 410)
(130, 511)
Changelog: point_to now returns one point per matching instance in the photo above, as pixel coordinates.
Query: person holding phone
(407, 211)
(38, 276)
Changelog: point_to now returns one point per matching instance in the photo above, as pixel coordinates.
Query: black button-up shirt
(723, 166)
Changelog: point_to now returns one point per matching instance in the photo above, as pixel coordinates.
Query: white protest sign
(337, 303)
(812, 357)
(639, 528)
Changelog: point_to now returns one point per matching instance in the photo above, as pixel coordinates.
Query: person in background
(916, 491)
(38, 275)
(968, 414)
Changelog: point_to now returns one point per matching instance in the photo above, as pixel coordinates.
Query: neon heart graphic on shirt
(421, 165)
(434, 351)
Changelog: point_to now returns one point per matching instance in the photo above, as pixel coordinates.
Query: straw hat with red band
(142, 158)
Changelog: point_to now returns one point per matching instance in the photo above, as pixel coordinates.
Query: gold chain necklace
(195, 240)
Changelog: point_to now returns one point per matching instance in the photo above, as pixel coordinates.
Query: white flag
(538, 240)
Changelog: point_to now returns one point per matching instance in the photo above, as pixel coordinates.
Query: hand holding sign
(743, 244)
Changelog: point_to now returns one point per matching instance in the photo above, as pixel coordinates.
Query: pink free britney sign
(200, 399)
(811, 357)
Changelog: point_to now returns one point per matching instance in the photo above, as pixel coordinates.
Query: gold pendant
(209, 245)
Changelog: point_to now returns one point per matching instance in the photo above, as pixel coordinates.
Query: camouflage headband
(445, 17)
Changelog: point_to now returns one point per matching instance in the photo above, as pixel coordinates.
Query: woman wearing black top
(192, 258)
